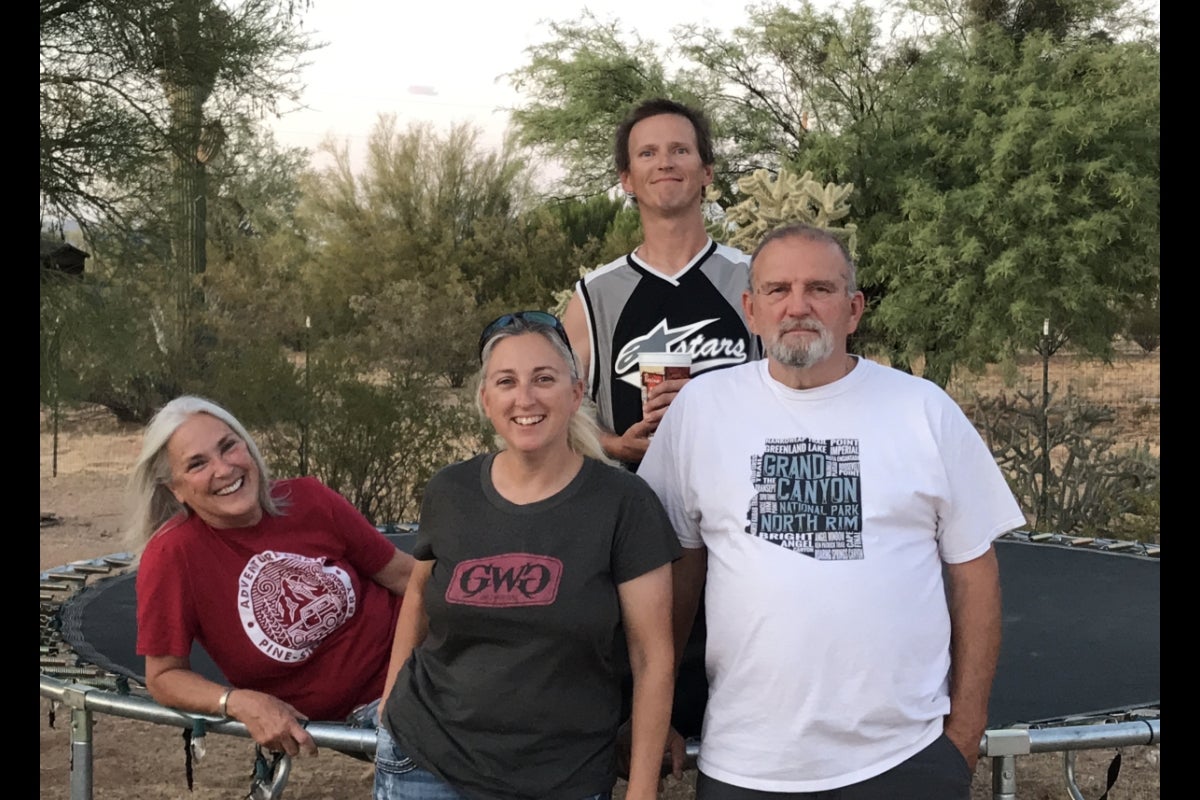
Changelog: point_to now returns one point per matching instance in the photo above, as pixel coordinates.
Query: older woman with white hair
(290, 590)
(505, 681)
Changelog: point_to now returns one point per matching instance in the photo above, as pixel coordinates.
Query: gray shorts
(939, 772)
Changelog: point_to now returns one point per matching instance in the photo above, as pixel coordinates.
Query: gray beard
(802, 355)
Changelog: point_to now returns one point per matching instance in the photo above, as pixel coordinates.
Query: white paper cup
(658, 367)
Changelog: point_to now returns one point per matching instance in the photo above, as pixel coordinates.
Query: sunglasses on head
(509, 320)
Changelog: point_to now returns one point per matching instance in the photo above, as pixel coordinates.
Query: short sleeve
(645, 538)
(662, 469)
(366, 547)
(981, 505)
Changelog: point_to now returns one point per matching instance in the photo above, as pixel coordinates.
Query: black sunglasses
(508, 320)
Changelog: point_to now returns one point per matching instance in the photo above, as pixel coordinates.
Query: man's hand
(677, 750)
(659, 398)
(966, 739)
(630, 446)
(271, 723)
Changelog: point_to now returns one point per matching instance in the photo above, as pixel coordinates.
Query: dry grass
(1129, 385)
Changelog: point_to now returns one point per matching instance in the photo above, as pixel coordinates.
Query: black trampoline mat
(1080, 635)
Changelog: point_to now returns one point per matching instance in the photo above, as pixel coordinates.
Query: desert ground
(136, 760)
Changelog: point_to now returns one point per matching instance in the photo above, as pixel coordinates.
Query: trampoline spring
(53, 586)
(92, 569)
(102, 681)
(76, 672)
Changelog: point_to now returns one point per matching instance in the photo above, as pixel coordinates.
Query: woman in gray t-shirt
(531, 561)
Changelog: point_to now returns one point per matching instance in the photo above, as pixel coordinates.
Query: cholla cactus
(563, 296)
(788, 198)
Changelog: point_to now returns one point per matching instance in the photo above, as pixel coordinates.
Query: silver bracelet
(223, 703)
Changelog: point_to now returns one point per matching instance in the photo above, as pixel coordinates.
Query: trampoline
(1080, 632)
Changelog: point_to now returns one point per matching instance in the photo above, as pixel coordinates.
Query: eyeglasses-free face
(508, 320)
(213, 473)
(528, 392)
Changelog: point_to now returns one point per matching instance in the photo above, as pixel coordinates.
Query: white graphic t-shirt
(827, 515)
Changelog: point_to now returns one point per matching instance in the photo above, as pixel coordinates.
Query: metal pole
(1004, 778)
(54, 447)
(56, 405)
(81, 754)
(307, 400)
(1044, 495)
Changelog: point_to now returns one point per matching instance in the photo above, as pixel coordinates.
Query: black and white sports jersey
(631, 307)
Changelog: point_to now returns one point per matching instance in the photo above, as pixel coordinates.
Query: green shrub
(1066, 472)
(378, 441)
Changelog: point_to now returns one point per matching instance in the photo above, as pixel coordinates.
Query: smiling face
(213, 473)
(665, 173)
(800, 306)
(528, 395)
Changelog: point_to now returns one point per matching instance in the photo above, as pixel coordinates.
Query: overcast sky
(443, 60)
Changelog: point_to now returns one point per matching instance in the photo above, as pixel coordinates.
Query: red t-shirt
(286, 606)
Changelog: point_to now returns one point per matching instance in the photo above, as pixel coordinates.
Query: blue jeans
(365, 716)
(397, 777)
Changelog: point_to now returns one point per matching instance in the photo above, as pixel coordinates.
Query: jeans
(365, 716)
(397, 777)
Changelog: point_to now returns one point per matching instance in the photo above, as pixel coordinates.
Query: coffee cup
(658, 367)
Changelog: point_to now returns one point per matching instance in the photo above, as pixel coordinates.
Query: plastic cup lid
(665, 359)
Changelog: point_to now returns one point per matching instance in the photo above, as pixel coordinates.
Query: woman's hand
(271, 723)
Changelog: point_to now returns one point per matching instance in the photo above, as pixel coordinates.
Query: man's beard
(805, 352)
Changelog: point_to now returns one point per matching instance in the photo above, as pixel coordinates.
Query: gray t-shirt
(515, 692)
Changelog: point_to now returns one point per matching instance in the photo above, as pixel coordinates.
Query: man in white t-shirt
(819, 515)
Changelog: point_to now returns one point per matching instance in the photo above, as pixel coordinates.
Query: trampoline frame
(87, 690)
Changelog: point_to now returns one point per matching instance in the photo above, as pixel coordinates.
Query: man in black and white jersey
(677, 291)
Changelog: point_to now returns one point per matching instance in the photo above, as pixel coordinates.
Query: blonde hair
(150, 500)
(583, 432)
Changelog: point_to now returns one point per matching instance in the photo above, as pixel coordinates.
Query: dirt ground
(134, 760)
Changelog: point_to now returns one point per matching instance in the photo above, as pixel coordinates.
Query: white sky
(443, 60)
(382, 54)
